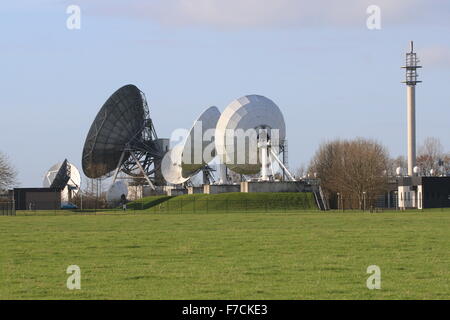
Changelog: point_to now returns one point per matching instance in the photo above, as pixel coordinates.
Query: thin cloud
(238, 14)
(435, 57)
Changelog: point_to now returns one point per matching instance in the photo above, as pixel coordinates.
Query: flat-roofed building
(37, 198)
(424, 192)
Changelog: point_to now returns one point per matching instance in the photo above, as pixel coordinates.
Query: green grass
(148, 202)
(304, 255)
(229, 202)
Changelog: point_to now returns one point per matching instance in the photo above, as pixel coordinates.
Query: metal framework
(411, 66)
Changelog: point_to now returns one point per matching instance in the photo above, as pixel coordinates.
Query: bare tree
(446, 163)
(301, 171)
(430, 154)
(8, 174)
(356, 169)
(395, 163)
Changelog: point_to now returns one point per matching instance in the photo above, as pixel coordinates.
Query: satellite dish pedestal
(208, 177)
(264, 146)
(267, 153)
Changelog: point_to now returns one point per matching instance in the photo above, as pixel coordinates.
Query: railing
(191, 206)
(7, 208)
(205, 206)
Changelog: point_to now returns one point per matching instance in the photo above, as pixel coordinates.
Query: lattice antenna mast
(412, 64)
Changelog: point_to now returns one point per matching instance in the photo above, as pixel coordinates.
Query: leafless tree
(395, 163)
(446, 163)
(8, 174)
(430, 153)
(356, 169)
(301, 171)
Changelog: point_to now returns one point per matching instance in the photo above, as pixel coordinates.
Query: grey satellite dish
(116, 192)
(250, 114)
(190, 157)
(63, 176)
(123, 138)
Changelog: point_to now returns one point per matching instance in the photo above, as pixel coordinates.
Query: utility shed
(37, 198)
(424, 192)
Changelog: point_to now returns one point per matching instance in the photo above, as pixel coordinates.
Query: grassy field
(304, 255)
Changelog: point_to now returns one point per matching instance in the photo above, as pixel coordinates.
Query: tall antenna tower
(412, 64)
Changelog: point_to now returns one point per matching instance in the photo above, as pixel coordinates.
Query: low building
(423, 192)
(37, 198)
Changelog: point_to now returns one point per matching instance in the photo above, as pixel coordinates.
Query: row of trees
(358, 170)
(431, 156)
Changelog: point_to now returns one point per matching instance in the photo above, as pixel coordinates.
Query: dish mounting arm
(282, 165)
(118, 167)
(143, 171)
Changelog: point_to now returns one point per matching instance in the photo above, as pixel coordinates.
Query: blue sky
(331, 76)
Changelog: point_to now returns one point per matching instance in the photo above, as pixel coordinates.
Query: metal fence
(168, 205)
(382, 203)
(200, 206)
(7, 208)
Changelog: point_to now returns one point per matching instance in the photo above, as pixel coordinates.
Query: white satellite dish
(399, 171)
(188, 158)
(193, 155)
(252, 113)
(416, 170)
(64, 176)
(116, 191)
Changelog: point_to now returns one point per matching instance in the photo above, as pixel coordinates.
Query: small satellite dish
(399, 171)
(188, 158)
(123, 138)
(63, 176)
(416, 170)
(432, 172)
(252, 112)
(116, 192)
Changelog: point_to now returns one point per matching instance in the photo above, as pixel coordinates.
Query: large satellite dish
(198, 149)
(123, 138)
(63, 176)
(249, 134)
